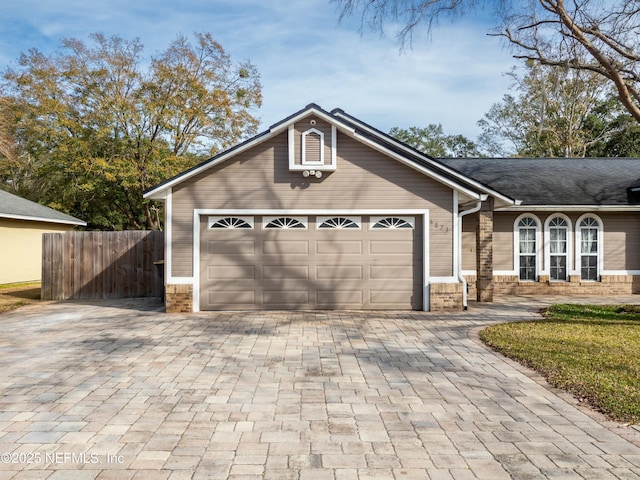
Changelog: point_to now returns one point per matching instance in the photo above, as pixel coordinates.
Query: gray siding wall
(365, 179)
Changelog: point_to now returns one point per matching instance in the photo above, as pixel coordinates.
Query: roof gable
(361, 132)
(18, 208)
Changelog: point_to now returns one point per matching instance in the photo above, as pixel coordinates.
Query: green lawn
(591, 351)
(14, 295)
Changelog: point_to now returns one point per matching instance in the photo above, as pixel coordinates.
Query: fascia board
(43, 219)
(570, 208)
(411, 151)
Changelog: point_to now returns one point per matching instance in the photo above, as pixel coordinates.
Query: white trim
(444, 280)
(516, 245)
(570, 208)
(546, 270)
(496, 273)
(303, 146)
(205, 211)
(168, 234)
(457, 240)
(620, 272)
(578, 243)
(181, 281)
(334, 146)
(507, 272)
(42, 219)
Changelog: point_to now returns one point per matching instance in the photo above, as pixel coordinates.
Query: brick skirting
(445, 296)
(608, 285)
(179, 298)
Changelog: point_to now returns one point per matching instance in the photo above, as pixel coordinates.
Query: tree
(622, 132)
(99, 129)
(549, 116)
(585, 35)
(433, 141)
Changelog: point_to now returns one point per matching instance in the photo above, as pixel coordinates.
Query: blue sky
(301, 51)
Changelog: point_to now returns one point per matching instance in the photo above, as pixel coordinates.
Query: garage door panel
(231, 272)
(285, 272)
(288, 297)
(228, 298)
(395, 272)
(331, 247)
(231, 247)
(332, 272)
(289, 247)
(391, 247)
(395, 298)
(339, 298)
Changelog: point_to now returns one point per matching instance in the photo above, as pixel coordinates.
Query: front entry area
(289, 262)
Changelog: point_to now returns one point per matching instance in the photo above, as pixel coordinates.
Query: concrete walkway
(119, 390)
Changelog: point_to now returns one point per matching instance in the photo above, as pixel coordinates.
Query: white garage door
(310, 262)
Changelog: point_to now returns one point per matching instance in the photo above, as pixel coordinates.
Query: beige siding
(621, 241)
(364, 179)
(21, 249)
(469, 224)
(503, 240)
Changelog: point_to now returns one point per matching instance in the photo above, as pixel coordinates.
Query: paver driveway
(120, 390)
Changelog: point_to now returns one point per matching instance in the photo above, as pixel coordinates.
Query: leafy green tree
(434, 142)
(620, 132)
(100, 125)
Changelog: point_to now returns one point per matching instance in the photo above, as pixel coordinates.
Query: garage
(332, 261)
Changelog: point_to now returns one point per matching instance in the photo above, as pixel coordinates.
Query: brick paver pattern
(120, 390)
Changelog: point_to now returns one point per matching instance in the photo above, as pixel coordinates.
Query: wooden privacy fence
(93, 265)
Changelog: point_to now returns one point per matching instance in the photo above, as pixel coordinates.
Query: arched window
(527, 248)
(230, 222)
(285, 222)
(392, 222)
(338, 222)
(589, 246)
(558, 253)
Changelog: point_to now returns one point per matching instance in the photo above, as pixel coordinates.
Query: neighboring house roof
(361, 132)
(18, 208)
(558, 181)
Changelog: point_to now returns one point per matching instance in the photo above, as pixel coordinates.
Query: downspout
(459, 252)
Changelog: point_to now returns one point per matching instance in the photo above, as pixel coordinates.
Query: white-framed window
(285, 223)
(339, 222)
(589, 246)
(230, 222)
(392, 222)
(526, 247)
(558, 247)
(312, 147)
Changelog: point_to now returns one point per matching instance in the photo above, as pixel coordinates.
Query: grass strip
(591, 351)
